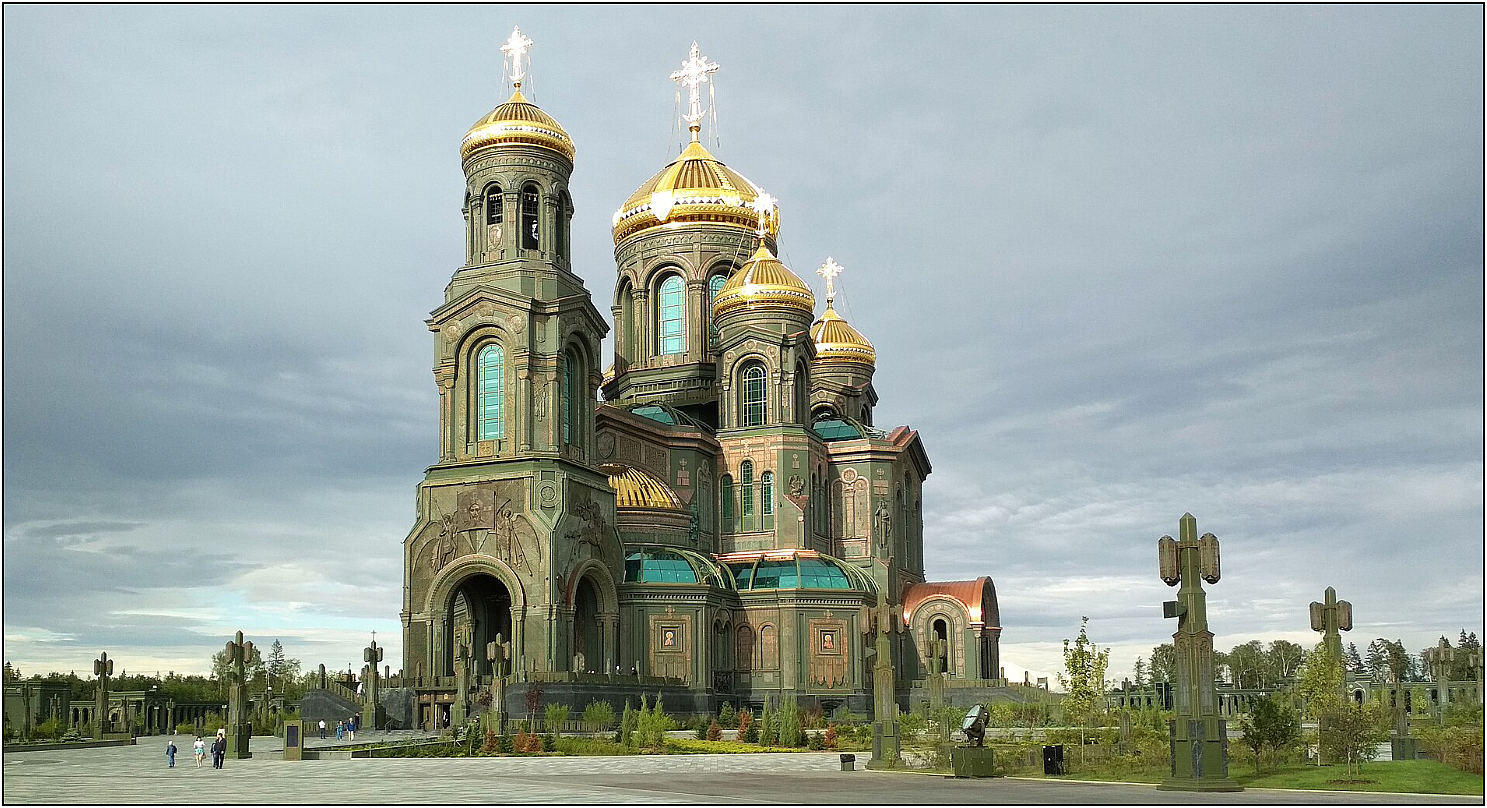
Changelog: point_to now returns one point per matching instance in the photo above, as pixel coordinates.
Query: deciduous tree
(1084, 680)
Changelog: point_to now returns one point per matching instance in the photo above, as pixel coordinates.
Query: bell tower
(515, 515)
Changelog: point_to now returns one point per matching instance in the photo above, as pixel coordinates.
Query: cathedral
(715, 514)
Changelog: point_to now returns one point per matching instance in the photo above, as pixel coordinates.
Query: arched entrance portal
(588, 638)
(942, 633)
(479, 609)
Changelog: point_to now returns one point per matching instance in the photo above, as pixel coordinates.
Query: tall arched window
(490, 385)
(529, 202)
(817, 505)
(725, 502)
(766, 492)
(560, 229)
(802, 394)
(744, 652)
(494, 214)
(672, 316)
(714, 285)
(570, 399)
(751, 409)
(769, 648)
(746, 486)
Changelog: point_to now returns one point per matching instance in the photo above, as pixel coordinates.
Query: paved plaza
(138, 774)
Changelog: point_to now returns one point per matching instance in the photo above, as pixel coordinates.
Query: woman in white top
(199, 749)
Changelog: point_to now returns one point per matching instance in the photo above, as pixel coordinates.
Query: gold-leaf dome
(695, 187)
(764, 281)
(638, 488)
(517, 121)
(836, 341)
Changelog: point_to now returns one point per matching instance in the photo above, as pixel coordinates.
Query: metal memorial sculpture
(1330, 617)
(1197, 736)
(239, 730)
(937, 651)
(103, 668)
(372, 654)
(462, 661)
(885, 702)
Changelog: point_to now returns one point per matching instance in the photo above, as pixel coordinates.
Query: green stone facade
(723, 521)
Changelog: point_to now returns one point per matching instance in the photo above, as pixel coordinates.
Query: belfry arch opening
(942, 633)
(479, 609)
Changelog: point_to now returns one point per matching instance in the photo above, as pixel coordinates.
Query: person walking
(200, 750)
(170, 752)
(322, 729)
(219, 749)
(340, 730)
(351, 727)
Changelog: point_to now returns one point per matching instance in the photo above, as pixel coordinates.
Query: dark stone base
(1405, 748)
(972, 761)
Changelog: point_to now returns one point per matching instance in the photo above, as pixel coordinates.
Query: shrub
(522, 740)
(504, 744)
(745, 718)
(791, 733)
(489, 745)
(628, 721)
(727, 716)
(830, 738)
(186, 728)
(598, 715)
(549, 743)
(843, 715)
(751, 733)
(769, 726)
(813, 717)
(699, 729)
(714, 732)
(556, 715)
(50, 729)
(911, 726)
(652, 724)
(814, 741)
(211, 723)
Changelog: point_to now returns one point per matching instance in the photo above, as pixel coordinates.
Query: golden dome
(638, 488)
(764, 281)
(517, 121)
(694, 187)
(838, 342)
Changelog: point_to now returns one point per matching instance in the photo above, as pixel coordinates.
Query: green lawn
(1402, 776)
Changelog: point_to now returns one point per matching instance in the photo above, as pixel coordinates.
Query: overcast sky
(1118, 263)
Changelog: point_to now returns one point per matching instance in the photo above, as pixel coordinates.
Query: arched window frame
(495, 208)
(671, 315)
(570, 398)
(490, 391)
(802, 394)
(715, 283)
(746, 488)
(769, 647)
(766, 493)
(744, 648)
(753, 388)
(725, 502)
(531, 207)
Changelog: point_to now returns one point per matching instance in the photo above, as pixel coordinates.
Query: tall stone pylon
(103, 668)
(885, 700)
(239, 729)
(372, 654)
(1197, 736)
(1330, 617)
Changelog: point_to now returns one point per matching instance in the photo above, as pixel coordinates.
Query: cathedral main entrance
(479, 609)
(588, 638)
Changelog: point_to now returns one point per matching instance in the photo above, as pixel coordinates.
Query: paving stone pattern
(138, 774)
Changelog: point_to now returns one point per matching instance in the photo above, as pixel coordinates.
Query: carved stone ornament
(797, 485)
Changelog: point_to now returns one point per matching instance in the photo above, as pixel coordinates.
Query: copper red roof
(978, 597)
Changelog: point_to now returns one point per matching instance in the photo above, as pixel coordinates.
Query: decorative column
(885, 702)
(498, 654)
(239, 730)
(461, 685)
(103, 668)
(372, 654)
(1329, 617)
(1197, 736)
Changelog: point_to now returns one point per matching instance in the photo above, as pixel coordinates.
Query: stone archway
(593, 629)
(480, 596)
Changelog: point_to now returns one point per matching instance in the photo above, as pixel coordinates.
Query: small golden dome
(836, 341)
(638, 488)
(694, 187)
(764, 281)
(517, 121)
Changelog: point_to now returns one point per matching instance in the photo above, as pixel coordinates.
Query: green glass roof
(652, 564)
(801, 572)
(831, 429)
(655, 413)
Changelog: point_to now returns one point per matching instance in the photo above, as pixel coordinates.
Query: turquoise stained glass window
(714, 285)
(490, 393)
(746, 483)
(569, 373)
(766, 492)
(658, 567)
(818, 574)
(753, 395)
(776, 575)
(725, 495)
(673, 320)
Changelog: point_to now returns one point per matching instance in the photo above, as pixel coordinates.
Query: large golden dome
(764, 281)
(638, 488)
(836, 341)
(517, 121)
(695, 187)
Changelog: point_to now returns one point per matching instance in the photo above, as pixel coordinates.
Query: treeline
(277, 670)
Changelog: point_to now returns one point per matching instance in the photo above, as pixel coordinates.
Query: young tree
(1354, 661)
(1163, 666)
(556, 715)
(1283, 658)
(1352, 730)
(1319, 681)
(1270, 724)
(1138, 673)
(598, 715)
(1084, 679)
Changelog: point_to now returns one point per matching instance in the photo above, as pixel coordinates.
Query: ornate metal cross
(692, 75)
(829, 271)
(1331, 616)
(763, 205)
(516, 48)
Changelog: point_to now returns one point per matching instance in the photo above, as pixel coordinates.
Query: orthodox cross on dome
(516, 48)
(692, 75)
(829, 271)
(763, 205)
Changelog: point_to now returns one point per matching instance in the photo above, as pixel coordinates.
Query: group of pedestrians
(199, 750)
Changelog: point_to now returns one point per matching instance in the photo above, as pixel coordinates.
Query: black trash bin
(1053, 759)
(847, 762)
